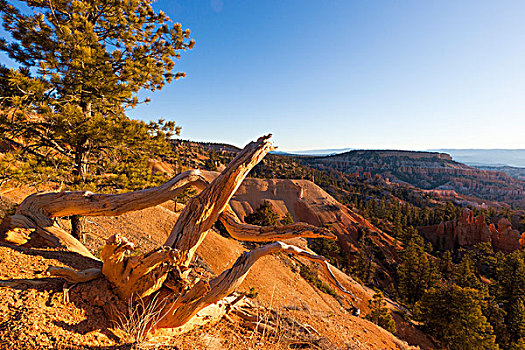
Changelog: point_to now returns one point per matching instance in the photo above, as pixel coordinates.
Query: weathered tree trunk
(78, 227)
(37, 212)
(165, 269)
(80, 169)
(202, 211)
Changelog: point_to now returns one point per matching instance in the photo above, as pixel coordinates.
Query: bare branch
(59, 204)
(74, 276)
(202, 211)
(179, 313)
(254, 233)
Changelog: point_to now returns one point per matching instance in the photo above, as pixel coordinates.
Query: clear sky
(411, 74)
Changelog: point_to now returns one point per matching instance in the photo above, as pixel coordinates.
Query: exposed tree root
(37, 212)
(74, 276)
(136, 276)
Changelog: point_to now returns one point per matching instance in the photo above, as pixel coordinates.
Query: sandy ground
(47, 313)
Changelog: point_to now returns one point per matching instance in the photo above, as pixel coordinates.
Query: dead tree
(165, 269)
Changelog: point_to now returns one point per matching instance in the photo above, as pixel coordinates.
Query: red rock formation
(442, 193)
(468, 231)
(504, 238)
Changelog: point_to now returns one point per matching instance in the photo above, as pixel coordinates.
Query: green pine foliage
(509, 291)
(330, 249)
(417, 272)
(312, 277)
(287, 219)
(466, 277)
(446, 266)
(380, 314)
(81, 65)
(264, 215)
(454, 316)
(363, 266)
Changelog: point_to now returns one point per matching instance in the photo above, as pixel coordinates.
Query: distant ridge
(487, 157)
(394, 153)
(473, 157)
(315, 152)
(426, 170)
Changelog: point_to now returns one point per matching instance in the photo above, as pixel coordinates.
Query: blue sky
(359, 74)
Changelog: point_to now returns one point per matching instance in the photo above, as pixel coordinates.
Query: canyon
(428, 171)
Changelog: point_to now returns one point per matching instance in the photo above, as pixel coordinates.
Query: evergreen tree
(264, 215)
(446, 266)
(330, 249)
(454, 316)
(515, 322)
(417, 272)
(287, 219)
(364, 267)
(509, 291)
(465, 276)
(380, 314)
(82, 64)
(483, 258)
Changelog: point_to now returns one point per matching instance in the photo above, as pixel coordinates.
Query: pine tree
(483, 258)
(465, 276)
(509, 291)
(82, 64)
(264, 215)
(380, 314)
(417, 272)
(447, 267)
(331, 250)
(364, 267)
(454, 316)
(287, 219)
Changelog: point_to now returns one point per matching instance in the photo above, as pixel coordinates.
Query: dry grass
(140, 316)
(265, 328)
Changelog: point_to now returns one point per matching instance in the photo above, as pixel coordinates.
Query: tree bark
(253, 233)
(204, 293)
(202, 211)
(78, 222)
(73, 276)
(78, 227)
(37, 212)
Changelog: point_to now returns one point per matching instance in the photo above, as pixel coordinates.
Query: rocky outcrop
(468, 231)
(309, 203)
(442, 193)
(504, 238)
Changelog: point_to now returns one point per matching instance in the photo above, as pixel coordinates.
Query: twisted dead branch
(165, 270)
